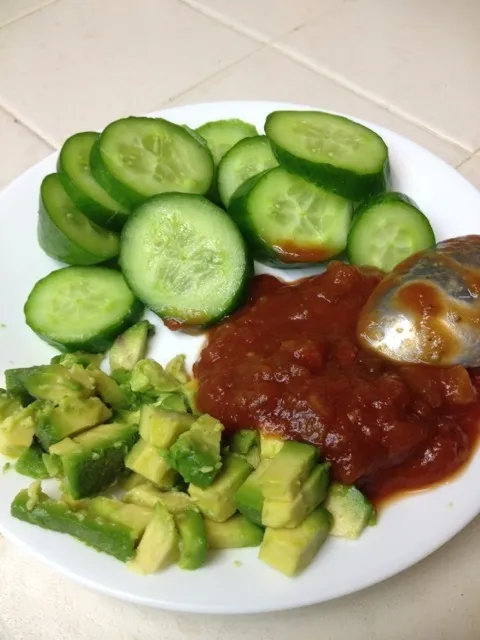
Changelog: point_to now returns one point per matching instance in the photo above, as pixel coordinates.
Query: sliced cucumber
(136, 158)
(81, 186)
(185, 259)
(66, 234)
(387, 229)
(247, 158)
(332, 151)
(221, 135)
(81, 308)
(289, 221)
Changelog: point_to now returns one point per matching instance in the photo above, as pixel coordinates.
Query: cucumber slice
(247, 158)
(81, 308)
(289, 221)
(185, 259)
(136, 158)
(387, 229)
(81, 186)
(65, 234)
(332, 151)
(222, 135)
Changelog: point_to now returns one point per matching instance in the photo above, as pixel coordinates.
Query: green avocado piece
(82, 358)
(31, 463)
(159, 545)
(243, 440)
(350, 509)
(234, 533)
(94, 460)
(249, 497)
(196, 453)
(270, 445)
(149, 377)
(292, 550)
(190, 390)
(253, 457)
(149, 463)
(217, 501)
(108, 537)
(161, 428)
(71, 416)
(109, 390)
(9, 404)
(291, 513)
(15, 384)
(54, 382)
(148, 496)
(17, 431)
(192, 539)
(172, 402)
(288, 470)
(133, 516)
(53, 465)
(177, 369)
(130, 346)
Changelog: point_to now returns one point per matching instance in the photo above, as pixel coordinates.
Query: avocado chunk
(103, 535)
(147, 461)
(17, 431)
(159, 545)
(53, 465)
(131, 480)
(94, 460)
(172, 402)
(196, 453)
(270, 445)
(291, 513)
(190, 390)
(217, 501)
(109, 390)
(31, 463)
(130, 346)
(161, 428)
(192, 539)
(177, 369)
(54, 382)
(234, 533)
(148, 496)
(292, 550)
(149, 377)
(133, 516)
(350, 509)
(9, 404)
(243, 440)
(249, 498)
(253, 457)
(81, 358)
(288, 470)
(70, 417)
(15, 384)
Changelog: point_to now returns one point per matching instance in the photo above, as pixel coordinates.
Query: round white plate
(407, 531)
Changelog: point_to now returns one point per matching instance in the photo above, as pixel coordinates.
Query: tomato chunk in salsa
(288, 363)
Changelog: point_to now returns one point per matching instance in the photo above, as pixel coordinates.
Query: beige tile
(421, 56)
(77, 65)
(266, 18)
(268, 75)
(471, 170)
(20, 148)
(11, 10)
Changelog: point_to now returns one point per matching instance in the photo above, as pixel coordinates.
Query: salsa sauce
(288, 363)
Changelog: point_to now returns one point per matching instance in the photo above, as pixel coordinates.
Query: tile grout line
(27, 13)
(28, 125)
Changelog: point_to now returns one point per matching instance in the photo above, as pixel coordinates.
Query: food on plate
(222, 135)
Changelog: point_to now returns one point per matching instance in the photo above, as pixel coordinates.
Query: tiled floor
(411, 65)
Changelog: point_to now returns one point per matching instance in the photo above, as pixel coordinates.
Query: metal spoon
(427, 310)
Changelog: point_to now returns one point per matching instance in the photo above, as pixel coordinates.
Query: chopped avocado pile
(148, 479)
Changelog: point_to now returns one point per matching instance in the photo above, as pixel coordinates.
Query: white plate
(407, 531)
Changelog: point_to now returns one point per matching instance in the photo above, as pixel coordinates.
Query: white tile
(76, 65)
(471, 170)
(269, 75)
(11, 10)
(419, 56)
(20, 148)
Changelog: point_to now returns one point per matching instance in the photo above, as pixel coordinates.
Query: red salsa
(288, 363)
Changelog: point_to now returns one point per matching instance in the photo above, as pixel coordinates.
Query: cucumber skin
(97, 344)
(343, 182)
(123, 194)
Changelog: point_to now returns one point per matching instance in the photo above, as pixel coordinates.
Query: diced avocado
(148, 496)
(132, 480)
(148, 376)
(253, 457)
(70, 417)
(130, 346)
(217, 501)
(234, 533)
(249, 497)
(109, 390)
(288, 470)
(17, 431)
(350, 509)
(15, 384)
(147, 461)
(114, 539)
(162, 428)
(159, 545)
(93, 460)
(132, 516)
(270, 445)
(196, 453)
(82, 358)
(9, 405)
(243, 440)
(190, 390)
(292, 550)
(177, 369)
(128, 417)
(53, 465)
(55, 382)
(31, 463)
(172, 402)
(192, 539)
(291, 513)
